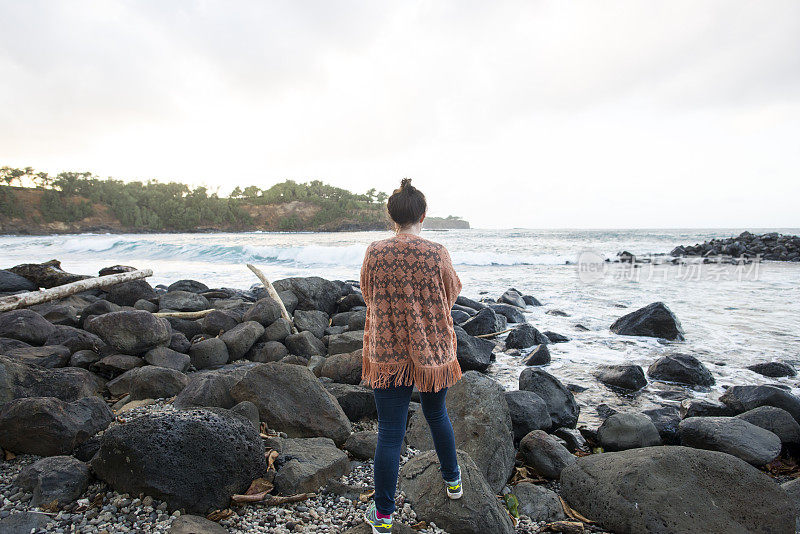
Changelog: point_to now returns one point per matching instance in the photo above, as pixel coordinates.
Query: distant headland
(33, 203)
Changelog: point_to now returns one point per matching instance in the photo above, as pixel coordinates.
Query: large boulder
(623, 376)
(211, 352)
(511, 313)
(290, 399)
(185, 301)
(477, 512)
(58, 480)
(545, 453)
(267, 351)
(127, 293)
(664, 490)
(538, 502)
(345, 342)
(513, 297)
(560, 402)
(25, 325)
(47, 274)
(344, 368)
(18, 380)
(473, 353)
(49, 356)
(525, 335)
(305, 344)
(131, 332)
(314, 321)
(528, 413)
(12, 282)
(194, 459)
(265, 311)
(169, 358)
(306, 464)
(654, 320)
(153, 382)
(357, 402)
(778, 421)
(241, 338)
(312, 292)
(681, 368)
(743, 398)
(744, 440)
(211, 388)
(623, 431)
(47, 426)
(482, 429)
(192, 286)
(773, 369)
(485, 321)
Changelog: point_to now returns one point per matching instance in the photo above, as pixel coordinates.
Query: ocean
(732, 316)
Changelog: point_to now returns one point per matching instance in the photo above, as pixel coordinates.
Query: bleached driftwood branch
(23, 300)
(273, 294)
(185, 315)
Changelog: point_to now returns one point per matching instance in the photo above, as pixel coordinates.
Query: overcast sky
(510, 114)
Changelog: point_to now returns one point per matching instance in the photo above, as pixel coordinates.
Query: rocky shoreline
(149, 409)
(771, 246)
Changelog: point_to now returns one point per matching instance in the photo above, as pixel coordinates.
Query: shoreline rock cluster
(119, 406)
(771, 246)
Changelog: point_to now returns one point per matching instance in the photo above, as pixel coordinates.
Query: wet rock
(473, 353)
(269, 351)
(47, 426)
(560, 402)
(486, 321)
(207, 353)
(166, 456)
(511, 313)
(703, 408)
(25, 325)
(11, 283)
(459, 316)
(482, 429)
(624, 376)
(131, 332)
(152, 382)
(530, 300)
(677, 489)
(477, 512)
(357, 402)
(539, 355)
(654, 320)
(241, 338)
(743, 398)
(343, 368)
(346, 342)
(18, 380)
(290, 399)
(469, 303)
(57, 479)
(624, 431)
(305, 344)
(49, 356)
(545, 453)
(681, 368)
(127, 293)
(734, 436)
(525, 335)
(528, 413)
(512, 297)
(778, 421)
(773, 369)
(554, 337)
(538, 503)
(307, 464)
(166, 357)
(312, 292)
(666, 420)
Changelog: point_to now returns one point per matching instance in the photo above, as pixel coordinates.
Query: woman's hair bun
(407, 204)
(405, 182)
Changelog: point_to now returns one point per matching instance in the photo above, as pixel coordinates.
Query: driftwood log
(185, 315)
(23, 300)
(273, 294)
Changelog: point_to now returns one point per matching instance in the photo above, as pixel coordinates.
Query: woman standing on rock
(409, 286)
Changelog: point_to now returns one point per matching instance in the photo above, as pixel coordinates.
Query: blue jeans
(392, 404)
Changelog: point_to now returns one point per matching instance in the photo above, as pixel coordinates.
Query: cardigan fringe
(393, 374)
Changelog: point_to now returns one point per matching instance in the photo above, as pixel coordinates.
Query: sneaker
(379, 526)
(454, 489)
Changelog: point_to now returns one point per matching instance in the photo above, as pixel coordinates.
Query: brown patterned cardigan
(409, 286)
